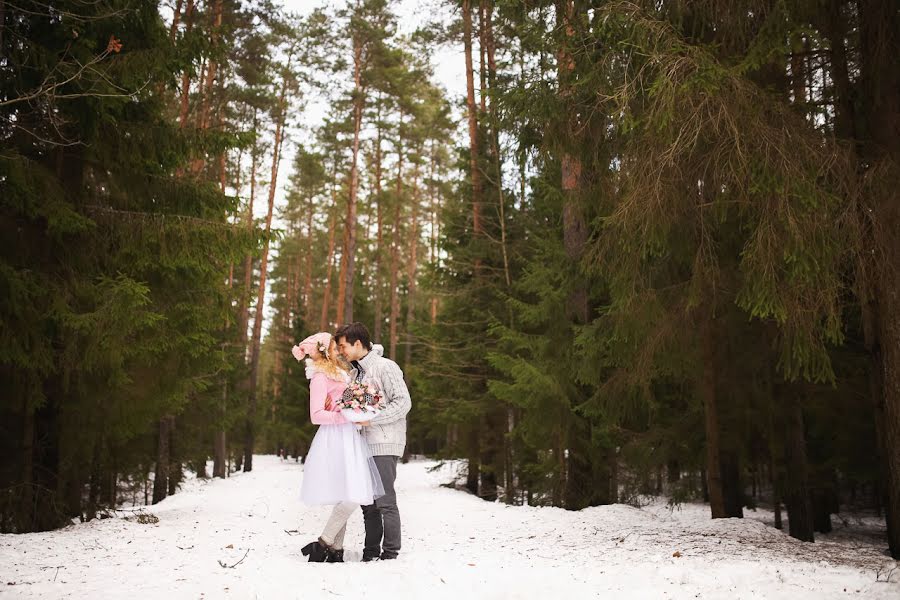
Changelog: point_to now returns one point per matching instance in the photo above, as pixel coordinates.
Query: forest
(652, 252)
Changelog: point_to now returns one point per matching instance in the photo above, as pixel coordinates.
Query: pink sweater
(321, 387)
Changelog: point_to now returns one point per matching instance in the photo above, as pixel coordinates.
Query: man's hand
(328, 403)
(365, 423)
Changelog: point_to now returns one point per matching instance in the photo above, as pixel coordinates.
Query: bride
(339, 468)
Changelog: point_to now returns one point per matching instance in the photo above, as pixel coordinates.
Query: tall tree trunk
(244, 312)
(435, 228)
(395, 283)
(286, 323)
(581, 488)
(306, 298)
(776, 496)
(206, 85)
(496, 419)
(773, 442)
(326, 294)
(27, 518)
(220, 441)
(796, 493)
(185, 75)
(379, 235)
(836, 28)
(475, 174)
(473, 473)
(395, 247)
(732, 488)
(348, 258)
(175, 473)
(90, 512)
(495, 132)
(213, 67)
(255, 342)
(490, 457)
(474, 441)
(161, 477)
(509, 459)
(412, 265)
(880, 92)
(173, 30)
(707, 392)
(482, 50)
(220, 446)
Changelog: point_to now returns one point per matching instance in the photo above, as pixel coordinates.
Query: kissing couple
(353, 462)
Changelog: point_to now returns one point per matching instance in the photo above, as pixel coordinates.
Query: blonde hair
(332, 366)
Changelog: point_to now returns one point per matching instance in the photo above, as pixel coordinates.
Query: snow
(455, 546)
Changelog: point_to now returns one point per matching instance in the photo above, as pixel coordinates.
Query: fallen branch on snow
(224, 566)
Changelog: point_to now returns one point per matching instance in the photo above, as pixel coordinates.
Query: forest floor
(241, 538)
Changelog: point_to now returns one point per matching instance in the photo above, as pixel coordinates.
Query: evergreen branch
(161, 216)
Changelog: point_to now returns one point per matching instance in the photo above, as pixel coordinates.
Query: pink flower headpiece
(318, 341)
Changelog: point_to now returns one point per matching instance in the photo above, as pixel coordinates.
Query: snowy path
(455, 546)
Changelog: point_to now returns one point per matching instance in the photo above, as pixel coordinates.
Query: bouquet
(360, 402)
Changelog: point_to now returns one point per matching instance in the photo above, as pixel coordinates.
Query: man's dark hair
(354, 332)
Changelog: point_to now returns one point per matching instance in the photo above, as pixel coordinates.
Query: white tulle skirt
(340, 468)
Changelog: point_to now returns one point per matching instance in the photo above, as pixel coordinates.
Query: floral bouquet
(360, 402)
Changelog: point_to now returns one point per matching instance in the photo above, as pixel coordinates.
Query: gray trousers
(382, 519)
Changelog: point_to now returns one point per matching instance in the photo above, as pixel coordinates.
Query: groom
(385, 434)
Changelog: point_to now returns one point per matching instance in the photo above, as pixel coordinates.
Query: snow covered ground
(455, 546)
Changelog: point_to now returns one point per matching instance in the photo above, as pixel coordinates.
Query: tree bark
(326, 294)
(395, 276)
(379, 235)
(185, 75)
(348, 257)
(220, 444)
(836, 30)
(880, 87)
(482, 51)
(796, 497)
(90, 511)
(495, 132)
(707, 392)
(220, 450)
(175, 473)
(412, 265)
(244, 312)
(206, 85)
(161, 478)
(27, 518)
(249, 431)
(473, 473)
(306, 298)
(173, 30)
(490, 456)
(395, 248)
(475, 174)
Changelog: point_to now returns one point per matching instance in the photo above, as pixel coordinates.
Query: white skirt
(340, 468)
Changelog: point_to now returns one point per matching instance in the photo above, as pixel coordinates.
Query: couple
(347, 465)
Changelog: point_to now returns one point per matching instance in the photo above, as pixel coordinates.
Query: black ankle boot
(317, 551)
(335, 556)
